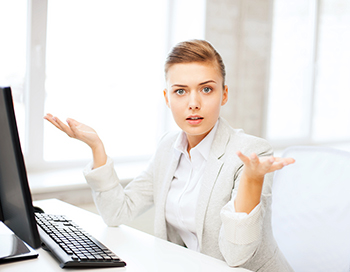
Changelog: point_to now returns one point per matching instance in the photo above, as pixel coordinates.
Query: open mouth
(194, 118)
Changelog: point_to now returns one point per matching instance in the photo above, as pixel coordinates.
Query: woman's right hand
(83, 133)
(75, 130)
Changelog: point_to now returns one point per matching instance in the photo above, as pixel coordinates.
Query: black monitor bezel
(28, 232)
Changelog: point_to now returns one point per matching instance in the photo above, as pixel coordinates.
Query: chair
(311, 209)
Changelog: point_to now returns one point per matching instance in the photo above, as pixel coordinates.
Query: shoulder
(168, 139)
(165, 145)
(163, 154)
(246, 143)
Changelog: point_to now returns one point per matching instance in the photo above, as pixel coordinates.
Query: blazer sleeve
(241, 234)
(118, 205)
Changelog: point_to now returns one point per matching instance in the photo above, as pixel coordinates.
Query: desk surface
(142, 252)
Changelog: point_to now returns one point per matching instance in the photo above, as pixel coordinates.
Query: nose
(194, 101)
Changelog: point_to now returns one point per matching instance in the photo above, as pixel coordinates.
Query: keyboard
(72, 246)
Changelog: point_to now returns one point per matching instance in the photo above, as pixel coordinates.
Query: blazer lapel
(210, 175)
(160, 222)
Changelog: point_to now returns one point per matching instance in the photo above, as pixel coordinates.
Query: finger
(52, 120)
(268, 163)
(254, 158)
(73, 121)
(280, 163)
(285, 161)
(49, 118)
(64, 127)
(49, 115)
(243, 158)
(288, 161)
(276, 166)
(73, 124)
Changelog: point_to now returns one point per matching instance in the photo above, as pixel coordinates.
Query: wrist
(248, 194)
(253, 178)
(96, 146)
(99, 155)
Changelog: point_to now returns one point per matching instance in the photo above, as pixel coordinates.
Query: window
(104, 67)
(13, 55)
(332, 84)
(98, 61)
(309, 85)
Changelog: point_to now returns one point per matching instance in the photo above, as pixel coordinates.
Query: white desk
(142, 252)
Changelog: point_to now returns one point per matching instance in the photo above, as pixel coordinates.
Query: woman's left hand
(256, 168)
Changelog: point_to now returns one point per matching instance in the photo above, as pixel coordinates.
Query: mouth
(194, 118)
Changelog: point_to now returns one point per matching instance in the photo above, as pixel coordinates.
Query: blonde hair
(195, 51)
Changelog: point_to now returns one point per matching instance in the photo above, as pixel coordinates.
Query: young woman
(208, 196)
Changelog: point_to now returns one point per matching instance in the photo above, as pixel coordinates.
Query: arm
(118, 205)
(252, 179)
(246, 235)
(115, 204)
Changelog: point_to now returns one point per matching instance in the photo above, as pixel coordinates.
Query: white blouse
(180, 210)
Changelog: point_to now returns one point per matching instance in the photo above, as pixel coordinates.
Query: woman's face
(195, 94)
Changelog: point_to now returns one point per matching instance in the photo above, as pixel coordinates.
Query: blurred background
(101, 62)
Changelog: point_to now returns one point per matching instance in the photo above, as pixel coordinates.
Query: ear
(224, 96)
(165, 93)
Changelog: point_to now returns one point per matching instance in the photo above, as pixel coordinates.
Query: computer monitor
(16, 207)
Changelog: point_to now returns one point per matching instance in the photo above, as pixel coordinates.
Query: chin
(197, 131)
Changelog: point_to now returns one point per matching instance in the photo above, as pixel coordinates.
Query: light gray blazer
(239, 239)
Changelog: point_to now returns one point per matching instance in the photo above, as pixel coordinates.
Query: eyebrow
(203, 83)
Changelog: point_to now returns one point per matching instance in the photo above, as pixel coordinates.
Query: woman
(208, 196)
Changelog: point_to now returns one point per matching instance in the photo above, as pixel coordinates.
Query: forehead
(193, 72)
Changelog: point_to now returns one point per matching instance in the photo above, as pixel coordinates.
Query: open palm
(256, 167)
(75, 130)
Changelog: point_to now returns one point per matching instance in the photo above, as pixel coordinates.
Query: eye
(180, 91)
(207, 90)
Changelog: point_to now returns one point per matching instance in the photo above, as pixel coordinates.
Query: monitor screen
(16, 208)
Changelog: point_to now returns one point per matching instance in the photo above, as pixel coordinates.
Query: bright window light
(105, 69)
(332, 88)
(13, 56)
(309, 85)
(291, 70)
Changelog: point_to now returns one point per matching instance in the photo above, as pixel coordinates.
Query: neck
(194, 140)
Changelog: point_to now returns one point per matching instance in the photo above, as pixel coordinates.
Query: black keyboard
(72, 246)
